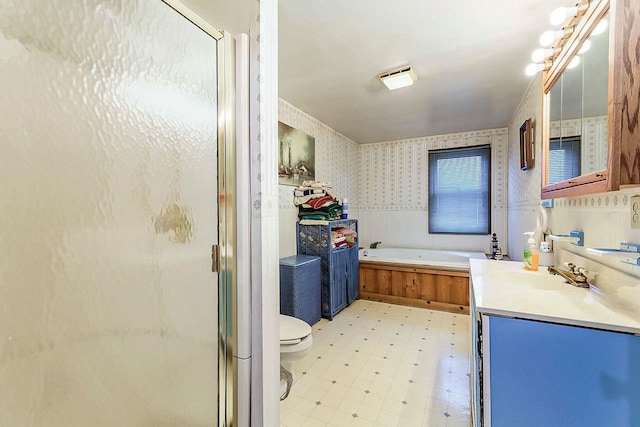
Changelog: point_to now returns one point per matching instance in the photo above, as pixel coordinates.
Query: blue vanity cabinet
(339, 265)
(529, 373)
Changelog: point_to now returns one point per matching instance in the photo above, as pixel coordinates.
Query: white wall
(604, 218)
(337, 161)
(394, 191)
(265, 278)
(524, 186)
(387, 187)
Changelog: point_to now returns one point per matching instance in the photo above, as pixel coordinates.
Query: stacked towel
(343, 237)
(316, 203)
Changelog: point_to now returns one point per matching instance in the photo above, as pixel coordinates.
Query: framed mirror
(575, 109)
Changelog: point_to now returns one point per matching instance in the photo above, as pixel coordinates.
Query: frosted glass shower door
(108, 210)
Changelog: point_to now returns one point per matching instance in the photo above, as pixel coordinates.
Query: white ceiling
(469, 56)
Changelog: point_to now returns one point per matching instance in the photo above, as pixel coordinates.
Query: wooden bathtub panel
(367, 280)
(460, 290)
(415, 286)
(383, 281)
(397, 283)
(410, 280)
(427, 287)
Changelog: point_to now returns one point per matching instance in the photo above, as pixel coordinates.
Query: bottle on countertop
(531, 255)
(345, 208)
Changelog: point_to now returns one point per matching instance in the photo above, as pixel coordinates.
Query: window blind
(564, 158)
(460, 190)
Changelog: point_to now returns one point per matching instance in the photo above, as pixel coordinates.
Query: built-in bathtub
(445, 259)
(417, 277)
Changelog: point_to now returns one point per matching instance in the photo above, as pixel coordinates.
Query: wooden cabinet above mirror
(591, 107)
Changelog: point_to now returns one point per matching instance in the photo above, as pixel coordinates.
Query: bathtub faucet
(374, 245)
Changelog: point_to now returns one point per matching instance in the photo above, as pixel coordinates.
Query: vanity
(591, 103)
(545, 353)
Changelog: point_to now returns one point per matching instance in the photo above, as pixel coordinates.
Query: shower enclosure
(110, 203)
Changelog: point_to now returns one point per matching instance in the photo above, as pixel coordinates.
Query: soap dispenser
(531, 254)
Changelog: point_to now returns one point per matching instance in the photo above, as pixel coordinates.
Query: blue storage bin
(300, 287)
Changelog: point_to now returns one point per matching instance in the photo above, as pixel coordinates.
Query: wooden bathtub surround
(415, 286)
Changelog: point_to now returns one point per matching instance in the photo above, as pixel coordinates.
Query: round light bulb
(574, 62)
(600, 28)
(539, 55)
(532, 69)
(585, 47)
(548, 37)
(559, 15)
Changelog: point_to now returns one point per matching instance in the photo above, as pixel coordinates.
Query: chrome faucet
(575, 276)
(374, 245)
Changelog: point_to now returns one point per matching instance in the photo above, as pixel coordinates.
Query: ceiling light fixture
(400, 77)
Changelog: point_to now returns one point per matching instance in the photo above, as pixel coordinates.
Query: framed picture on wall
(297, 159)
(526, 145)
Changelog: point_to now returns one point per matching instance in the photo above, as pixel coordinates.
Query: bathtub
(427, 257)
(423, 278)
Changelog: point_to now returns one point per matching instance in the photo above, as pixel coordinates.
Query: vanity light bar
(552, 40)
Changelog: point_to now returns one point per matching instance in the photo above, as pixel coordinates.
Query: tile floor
(379, 364)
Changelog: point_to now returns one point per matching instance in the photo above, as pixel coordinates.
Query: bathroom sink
(528, 278)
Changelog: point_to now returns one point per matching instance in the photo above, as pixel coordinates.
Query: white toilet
(295, 341)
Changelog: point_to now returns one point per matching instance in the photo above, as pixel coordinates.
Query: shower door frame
(223, 255)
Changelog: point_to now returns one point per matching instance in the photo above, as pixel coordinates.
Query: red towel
(317, 203)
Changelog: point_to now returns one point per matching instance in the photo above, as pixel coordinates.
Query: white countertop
(504, 288)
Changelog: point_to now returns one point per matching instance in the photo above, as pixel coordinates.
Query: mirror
(595, 98)
(577, 111)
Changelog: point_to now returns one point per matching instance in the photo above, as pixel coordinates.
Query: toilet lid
(293, 330)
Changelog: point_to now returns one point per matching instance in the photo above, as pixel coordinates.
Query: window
(459, 190)
(564, 158)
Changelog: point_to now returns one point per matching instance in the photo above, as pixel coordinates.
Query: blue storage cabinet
(300, 287)
(546, 374)
(339, 266)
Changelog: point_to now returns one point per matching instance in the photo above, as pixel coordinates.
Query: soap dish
(628, 253)
(614, 253)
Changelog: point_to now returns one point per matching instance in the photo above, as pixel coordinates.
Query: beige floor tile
(322, 413)
(368, 412)
(405, 370)
(314, 394)
(303, 406)
(341, 418)
(394, 405)
(295, 418)
(361, 422)
(388, 418)
(312, 422)
(349, 405)
(434, 419)
(409, 422)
